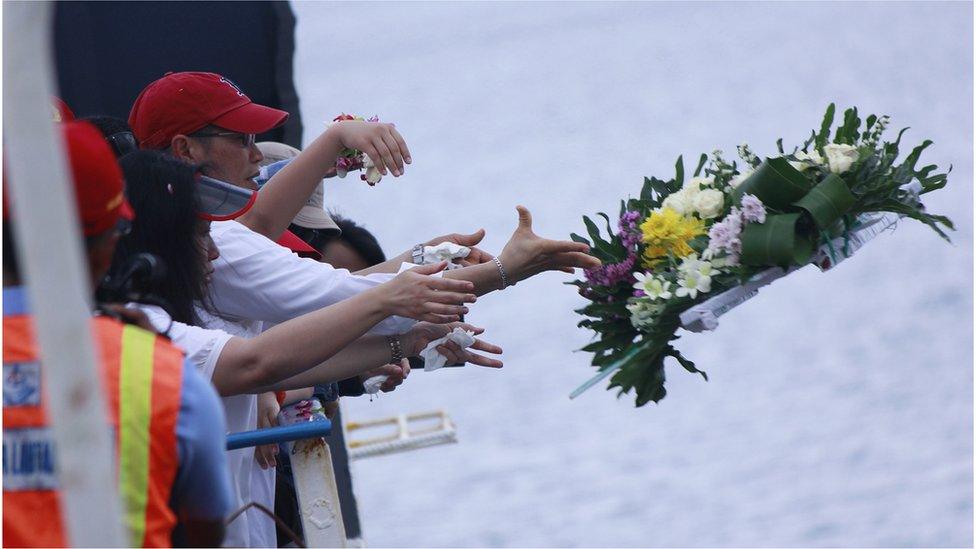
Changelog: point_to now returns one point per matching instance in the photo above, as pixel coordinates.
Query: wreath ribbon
(809, 209)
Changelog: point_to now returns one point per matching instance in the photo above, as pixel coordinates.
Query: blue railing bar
(273, 435)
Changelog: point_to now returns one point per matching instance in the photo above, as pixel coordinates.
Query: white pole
(315, 483)
(57, 281)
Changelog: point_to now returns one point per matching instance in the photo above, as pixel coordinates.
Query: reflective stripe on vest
(135, 406)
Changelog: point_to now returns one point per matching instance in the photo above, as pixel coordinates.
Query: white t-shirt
(249, 482)
(257, 279)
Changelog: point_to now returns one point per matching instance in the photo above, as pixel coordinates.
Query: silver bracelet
(396, 351)
(501, 272)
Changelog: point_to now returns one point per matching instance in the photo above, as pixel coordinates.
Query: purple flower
(612, 274)
(724, 235)
(630, 235)
(753, 209)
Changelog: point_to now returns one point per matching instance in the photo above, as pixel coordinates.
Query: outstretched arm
(289, 348)
(281, 199)
(370, 352)
(525, 255)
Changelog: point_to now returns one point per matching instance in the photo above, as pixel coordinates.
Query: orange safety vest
(142, 375)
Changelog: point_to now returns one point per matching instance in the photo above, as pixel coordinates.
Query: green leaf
(646, 190)
(869, 123)
(824, 134)
(679, 172)
(687, 364)
(701, 164)
(847, 132)
(577, 238)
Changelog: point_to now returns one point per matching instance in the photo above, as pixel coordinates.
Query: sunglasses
(122, 143)
(315, 238)
(246, 139)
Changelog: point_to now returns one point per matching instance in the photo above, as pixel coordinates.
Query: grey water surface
(840, 406)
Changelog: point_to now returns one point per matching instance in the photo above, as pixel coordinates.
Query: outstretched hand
(423, 333)
(381, 142)
(527, 254)
(415, 294)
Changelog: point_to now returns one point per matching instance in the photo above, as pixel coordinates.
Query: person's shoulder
(236, 241)
(158, 317)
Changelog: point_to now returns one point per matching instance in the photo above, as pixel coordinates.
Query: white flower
(753, 209)
(738, 179)
(643, 312)
(840, 157)
(730, 260)
(693, 282)
(708, 203)
(679, 202)
(691, 264)
(373, 174)
(696, 184)
(806, 160)
(655, 288)
(812, 157)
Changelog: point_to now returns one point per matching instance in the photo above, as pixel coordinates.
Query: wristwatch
(418, 254)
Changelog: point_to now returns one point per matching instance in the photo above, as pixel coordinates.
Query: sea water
(839, 407)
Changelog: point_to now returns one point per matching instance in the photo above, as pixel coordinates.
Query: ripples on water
(839, 411)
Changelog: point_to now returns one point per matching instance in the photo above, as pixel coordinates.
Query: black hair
(359, 239)
(162, 192)
(117, 133)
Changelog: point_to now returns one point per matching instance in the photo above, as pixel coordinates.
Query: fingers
(442, 309)
(405, 367)
(451, 285)
(393, 380)
(403, 144)
(486, 347)
(476, 257)
(430, 269)
(453, 298)
(396, 155)
(452, 352)
(525, 218)
(386, 161)
(480, 360)
(265, 455)
(469, 327)
(438, 319)
(577, 259)
(562, 246)
(469, 239)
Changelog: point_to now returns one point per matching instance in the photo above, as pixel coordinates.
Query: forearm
(364, 354)
(485, 277)
(391, 265)
(247, 365)
(285, 194)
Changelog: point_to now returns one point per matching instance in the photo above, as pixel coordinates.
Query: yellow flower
(666, 232)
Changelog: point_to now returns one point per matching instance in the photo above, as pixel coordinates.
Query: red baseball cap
(291, 241)
(98, 182)
(60, 111)
(184, 102)
(97, 179)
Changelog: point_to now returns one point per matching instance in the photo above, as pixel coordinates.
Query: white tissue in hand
(445, 251)
(372, 385)
(433, 359)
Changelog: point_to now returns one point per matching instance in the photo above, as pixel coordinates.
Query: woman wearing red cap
(240, 359)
